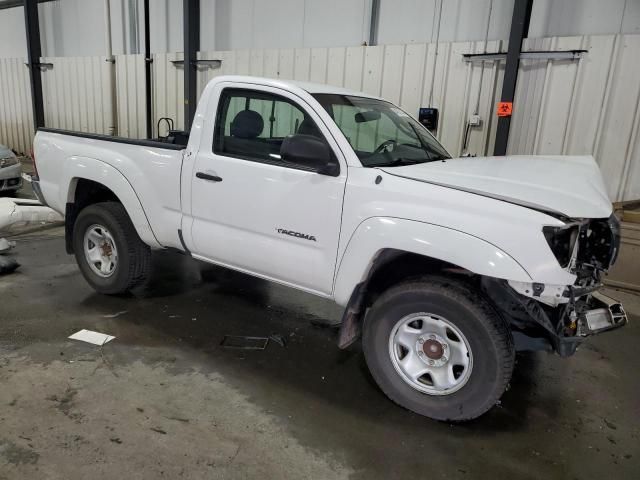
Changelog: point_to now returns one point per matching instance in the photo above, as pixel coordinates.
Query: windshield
(380, 133)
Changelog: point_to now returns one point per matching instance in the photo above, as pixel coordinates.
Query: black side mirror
(311, 152)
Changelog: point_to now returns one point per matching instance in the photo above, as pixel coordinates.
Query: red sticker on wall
(504, 109)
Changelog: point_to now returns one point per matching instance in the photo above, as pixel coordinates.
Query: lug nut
(432, 337)
(444, 346)
(420, 353)
(431, 362)
(421, 340)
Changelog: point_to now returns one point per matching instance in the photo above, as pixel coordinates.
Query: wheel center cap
(106, 250)
(433, 349)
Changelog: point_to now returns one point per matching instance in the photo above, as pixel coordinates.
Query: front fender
(76, 168)
(458, 248)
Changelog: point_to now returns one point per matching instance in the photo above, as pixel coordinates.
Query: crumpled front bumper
(602, 314)
(539, 324)
(592, 314)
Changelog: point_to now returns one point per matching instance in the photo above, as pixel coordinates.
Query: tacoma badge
(296, 234)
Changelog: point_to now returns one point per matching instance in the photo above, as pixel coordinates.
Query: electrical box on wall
(475, 120)
(428, 117)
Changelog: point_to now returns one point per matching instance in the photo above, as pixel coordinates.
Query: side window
(252, 125)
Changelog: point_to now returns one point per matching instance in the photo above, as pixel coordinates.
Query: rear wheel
(109, 252)
(437, 348)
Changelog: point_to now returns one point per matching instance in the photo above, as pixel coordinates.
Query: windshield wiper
(426, 148)
(399, 162)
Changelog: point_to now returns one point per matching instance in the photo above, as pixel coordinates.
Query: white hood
(569, 185)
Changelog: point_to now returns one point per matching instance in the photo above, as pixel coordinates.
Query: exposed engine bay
(559, 317)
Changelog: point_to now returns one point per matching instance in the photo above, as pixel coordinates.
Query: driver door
(250, 210)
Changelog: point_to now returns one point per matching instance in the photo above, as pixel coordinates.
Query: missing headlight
(599, 243)
(561, 241)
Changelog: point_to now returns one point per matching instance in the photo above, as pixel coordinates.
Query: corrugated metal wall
(16, 116)
(168, 90)
(130, 94)
(562, 107)
(403, 74)
(587, 107)
(76, 94)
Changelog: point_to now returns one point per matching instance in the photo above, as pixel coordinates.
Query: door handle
(206, 176)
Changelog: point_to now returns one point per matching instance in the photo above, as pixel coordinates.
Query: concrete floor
(164, 399)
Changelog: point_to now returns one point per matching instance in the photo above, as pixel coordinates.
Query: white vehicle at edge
(446, 266)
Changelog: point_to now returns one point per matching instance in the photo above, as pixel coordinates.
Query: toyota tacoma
(445, 266)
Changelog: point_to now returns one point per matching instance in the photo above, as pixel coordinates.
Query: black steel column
(374, 22)
(191, 46)
(519, 30)
(147, 70)
(32, 27)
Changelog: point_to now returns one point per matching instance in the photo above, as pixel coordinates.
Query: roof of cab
(292, 84)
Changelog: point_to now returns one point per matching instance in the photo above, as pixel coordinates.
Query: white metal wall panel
(481, 90)
(336, 65)
(207, 73)
(373, 68)
(319, 65)
(76, 27)
(617, 146)
(302, 64)
(562, 107)
(582, 107)
(16, 117)
(168, 93)
(13, 37)
(400, 73)
(286, 62)
(76, 94)
(130, 88)
(354, 68)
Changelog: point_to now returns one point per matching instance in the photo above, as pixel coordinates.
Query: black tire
(488, 335)
(134, 256)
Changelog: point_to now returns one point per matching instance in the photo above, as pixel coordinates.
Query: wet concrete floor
(166, 400)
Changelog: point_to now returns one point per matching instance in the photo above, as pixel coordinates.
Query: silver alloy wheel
(430, 354)
(100, 251)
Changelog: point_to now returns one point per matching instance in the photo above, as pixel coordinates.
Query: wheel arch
(102, 182)
(378, 240)
(385, 251)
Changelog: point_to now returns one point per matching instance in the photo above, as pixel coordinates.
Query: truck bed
(115, 139)
(146, 172)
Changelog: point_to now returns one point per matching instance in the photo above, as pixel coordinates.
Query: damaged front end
(560, 317)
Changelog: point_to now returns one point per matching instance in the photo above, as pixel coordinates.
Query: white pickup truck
(446, 266)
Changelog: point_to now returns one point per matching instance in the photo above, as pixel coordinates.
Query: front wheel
(109, 252)
(436, 347)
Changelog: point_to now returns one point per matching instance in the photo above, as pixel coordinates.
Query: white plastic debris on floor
(6, 245)
(89, 336)
(16, 213)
